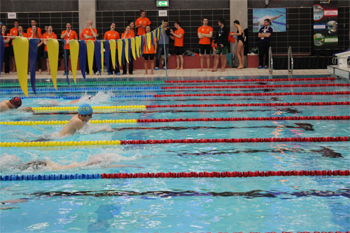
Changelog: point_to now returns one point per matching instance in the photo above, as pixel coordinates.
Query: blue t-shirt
(266, 30)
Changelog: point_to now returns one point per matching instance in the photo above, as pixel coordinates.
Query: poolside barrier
(169, 141)
(260, 86)
(250, 105)
(213, 174)
(122, 121)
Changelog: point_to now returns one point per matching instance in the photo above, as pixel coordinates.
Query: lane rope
(75, 108)
(251, 80)
(249, 105)
(260, 86)
(213, 174)
(200, 95)
(41, 84)
(170, 141)
(122, 121)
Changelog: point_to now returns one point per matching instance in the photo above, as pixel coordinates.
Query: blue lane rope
(19, 91)
(51, 177)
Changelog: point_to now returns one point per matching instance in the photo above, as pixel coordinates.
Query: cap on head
(85, 109)
(16, 101)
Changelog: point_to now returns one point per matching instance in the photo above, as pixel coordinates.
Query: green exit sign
(162, 3)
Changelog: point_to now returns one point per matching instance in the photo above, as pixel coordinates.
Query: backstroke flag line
(52, 50)
(33, 53)
(82, 57)
(74, 54)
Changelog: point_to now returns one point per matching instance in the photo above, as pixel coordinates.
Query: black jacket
(223, 37)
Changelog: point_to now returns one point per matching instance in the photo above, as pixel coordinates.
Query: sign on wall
(11, 15)
(325, 24)
(277, 17)
(163, 13)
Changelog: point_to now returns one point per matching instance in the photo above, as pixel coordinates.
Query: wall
(38, 5)
(190, 21)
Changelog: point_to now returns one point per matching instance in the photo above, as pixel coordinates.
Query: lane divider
(122, 121)
(259, 86)
(201, 95)
(88, 83)
(251, 80)
(75, 108)
(90, 89)
(249, 105)
(169, 141)
(259, 94)
(213, 174)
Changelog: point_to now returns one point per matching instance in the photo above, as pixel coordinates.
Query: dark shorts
(205, 48)
(148, 55)
(222, 50)
(45, 55)
(178, 50)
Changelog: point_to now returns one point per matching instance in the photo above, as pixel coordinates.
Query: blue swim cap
(85, 109)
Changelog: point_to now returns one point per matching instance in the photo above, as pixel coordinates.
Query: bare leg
(238, 53)
(39, 71)
(48, 66)
(182, 62)
(208, 62)
(177, 62)
(242, 56)
(13, 64)
(152, 66)
(223, 62)
(216, 63)
(146, 64)
(202, 63)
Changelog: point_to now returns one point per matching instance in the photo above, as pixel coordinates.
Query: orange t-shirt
(109, 35)
(72, 35)
(144, 22)
(13, 32)
(29, 31)
(205, 30)
(47, 36)
(29, 35)
(149, 50)
(5, 38)
(132, 32)
(179, 42)
(88, 32)
(130, 35)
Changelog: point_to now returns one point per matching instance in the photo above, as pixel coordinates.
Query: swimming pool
(276, 203)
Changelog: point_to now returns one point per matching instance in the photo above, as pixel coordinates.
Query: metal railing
(290, 62)
(270, 61)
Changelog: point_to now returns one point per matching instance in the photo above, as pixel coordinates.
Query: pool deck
(139, 74)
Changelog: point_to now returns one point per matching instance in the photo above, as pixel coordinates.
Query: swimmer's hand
(27, 109)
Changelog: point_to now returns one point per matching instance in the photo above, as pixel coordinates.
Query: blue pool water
(178, 205)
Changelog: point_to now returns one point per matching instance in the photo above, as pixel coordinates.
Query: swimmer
(103, 161)
(84, 97)
(78, 121)
(13, 103)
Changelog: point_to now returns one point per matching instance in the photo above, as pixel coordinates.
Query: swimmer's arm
(74, 101)
(78, 125)
(27, 109)
(3, 108)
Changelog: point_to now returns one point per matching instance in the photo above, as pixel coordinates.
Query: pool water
(306, 203)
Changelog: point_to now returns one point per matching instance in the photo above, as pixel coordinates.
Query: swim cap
(85, 109)
(16, 101)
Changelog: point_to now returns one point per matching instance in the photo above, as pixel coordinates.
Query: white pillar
(238, 11)
(87, 11)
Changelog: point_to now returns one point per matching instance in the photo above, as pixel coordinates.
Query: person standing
(221, 41)
(68, 35)
(163, 39)
(13, 34)
(34, 33)
(33, 23)
(149, 52)
(126, 35)
(141, 23)
(178, 37)
(240, 43)
(205, 32)
(132, 27)
(112, 35)
(90, 33)
(7, 52)
(265, 40)
(48, 35)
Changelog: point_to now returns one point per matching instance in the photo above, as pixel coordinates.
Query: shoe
(118, 73)
(266, 67)
(164, 68)
(156, 68)
(110, 73)
(260, 67)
